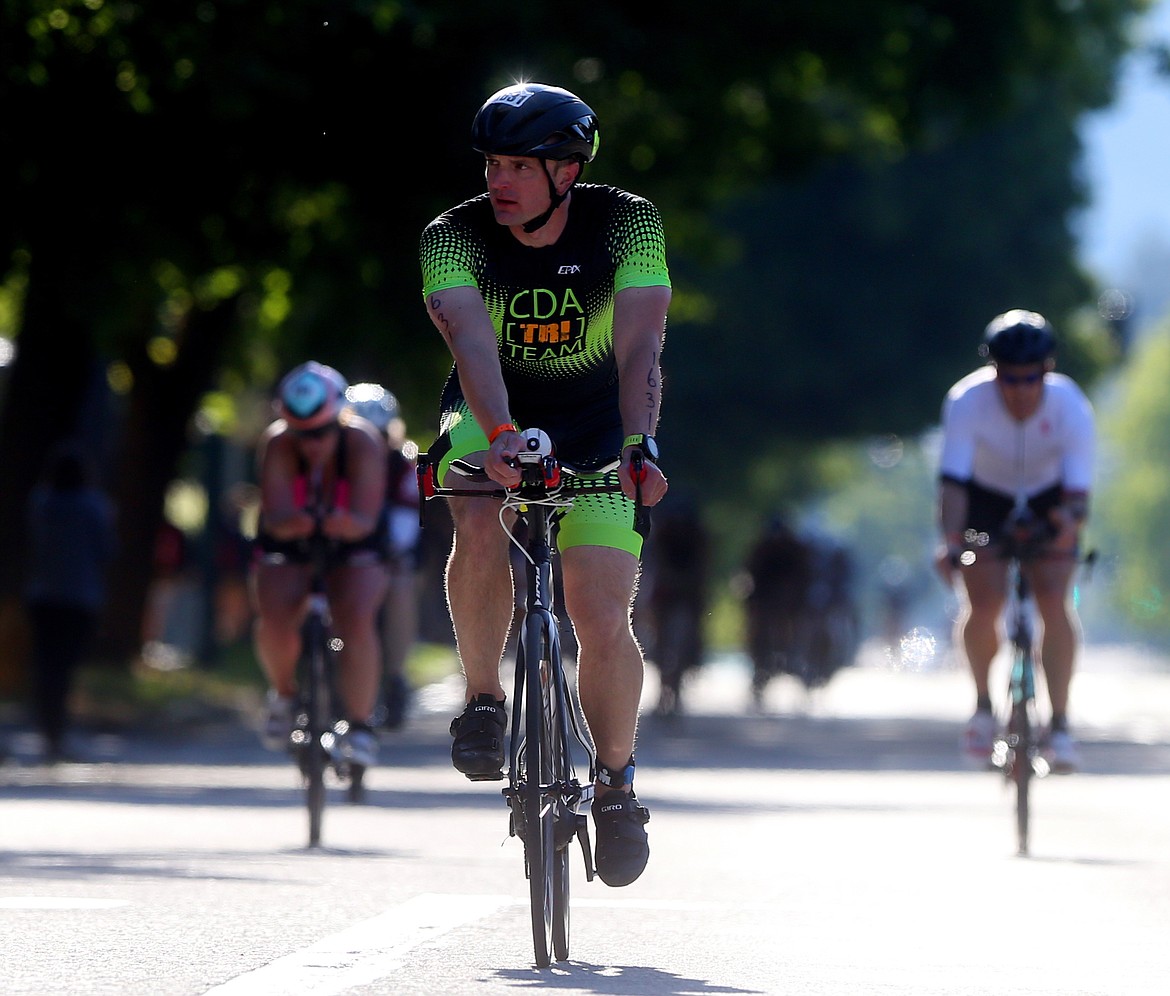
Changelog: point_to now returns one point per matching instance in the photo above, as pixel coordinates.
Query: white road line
(365, 952)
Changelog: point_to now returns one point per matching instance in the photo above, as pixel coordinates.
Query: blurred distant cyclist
(552, 297)
(399, 615)
(1016, 431)
(320, 470)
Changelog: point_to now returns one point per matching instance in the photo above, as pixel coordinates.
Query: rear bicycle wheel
(539, 778)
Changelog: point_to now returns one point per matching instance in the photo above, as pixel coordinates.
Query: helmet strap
(555, 200)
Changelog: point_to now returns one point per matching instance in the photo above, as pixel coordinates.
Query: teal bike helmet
(310, 396)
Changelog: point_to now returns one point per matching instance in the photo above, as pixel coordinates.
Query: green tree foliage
(200, 193)
(1131, 512)
(860, 295)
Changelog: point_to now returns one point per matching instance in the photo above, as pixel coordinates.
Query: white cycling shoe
(979, 738)
(1061, 753)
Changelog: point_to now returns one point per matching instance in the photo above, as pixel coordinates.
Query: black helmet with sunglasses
(1018, 337)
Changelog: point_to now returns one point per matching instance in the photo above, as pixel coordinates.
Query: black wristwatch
(647, 444)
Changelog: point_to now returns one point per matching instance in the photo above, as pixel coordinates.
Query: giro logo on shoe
(485, 708)
(613, 807)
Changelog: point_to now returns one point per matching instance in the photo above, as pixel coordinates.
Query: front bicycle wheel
(314, 758)
(545, 886)
(560, 904)
(1020, 740)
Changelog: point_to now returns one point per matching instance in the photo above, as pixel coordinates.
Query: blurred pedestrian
(778, 576)
(71, 542)
(673, 591)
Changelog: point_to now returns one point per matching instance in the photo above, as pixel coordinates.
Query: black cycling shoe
(478, 750)
(395, 703)
(622, 845)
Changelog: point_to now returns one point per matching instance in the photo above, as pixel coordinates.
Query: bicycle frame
(314, 736)
(547, 803)
(1017, 752)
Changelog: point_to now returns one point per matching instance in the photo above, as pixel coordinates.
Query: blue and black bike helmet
(534, 119)
(1018, 337)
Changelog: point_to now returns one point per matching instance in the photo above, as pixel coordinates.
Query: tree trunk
(156, 437)
(54, 389)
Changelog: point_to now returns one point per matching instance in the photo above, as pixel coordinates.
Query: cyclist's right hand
(500, 463)
(298, 524)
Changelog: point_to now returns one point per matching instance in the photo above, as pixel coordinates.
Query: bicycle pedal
(515, 821)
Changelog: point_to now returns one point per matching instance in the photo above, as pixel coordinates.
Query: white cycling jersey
(984, 444)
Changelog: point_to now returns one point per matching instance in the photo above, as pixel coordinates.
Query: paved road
(828, 846)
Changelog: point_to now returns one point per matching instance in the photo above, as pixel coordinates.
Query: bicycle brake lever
(637, 475)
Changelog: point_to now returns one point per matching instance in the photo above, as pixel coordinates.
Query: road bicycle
(1017, 750)
(315, 738)
(547, 803)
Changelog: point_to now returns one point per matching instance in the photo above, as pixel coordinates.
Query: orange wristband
(499, 429)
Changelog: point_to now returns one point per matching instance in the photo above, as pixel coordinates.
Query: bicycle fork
(539, 646)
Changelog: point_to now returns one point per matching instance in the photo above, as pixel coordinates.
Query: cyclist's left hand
(654, 483)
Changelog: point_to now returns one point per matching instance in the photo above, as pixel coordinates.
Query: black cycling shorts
(988, 511)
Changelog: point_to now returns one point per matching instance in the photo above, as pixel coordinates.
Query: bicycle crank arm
(586, 849)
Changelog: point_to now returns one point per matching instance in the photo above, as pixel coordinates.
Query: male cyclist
(1016, 432)
(552, 297)
(320, 471)
(399, 613)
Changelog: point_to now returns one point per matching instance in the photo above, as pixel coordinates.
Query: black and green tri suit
(552, 308)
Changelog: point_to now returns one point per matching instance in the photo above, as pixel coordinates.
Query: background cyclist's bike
(548, 804)
(1018, 749)
(315, 738)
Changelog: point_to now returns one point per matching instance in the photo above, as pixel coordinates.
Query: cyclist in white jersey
(1016, 434)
